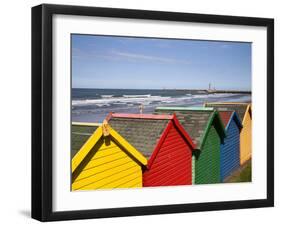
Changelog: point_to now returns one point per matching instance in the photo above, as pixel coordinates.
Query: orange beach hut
(103, 159)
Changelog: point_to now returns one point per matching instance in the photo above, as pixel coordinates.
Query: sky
(150, 63)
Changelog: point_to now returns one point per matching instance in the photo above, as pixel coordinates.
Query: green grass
(244, 174)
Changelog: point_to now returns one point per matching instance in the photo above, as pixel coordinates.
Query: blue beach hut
(230, 148)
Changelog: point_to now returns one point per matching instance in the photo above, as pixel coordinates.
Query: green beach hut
(207, 132)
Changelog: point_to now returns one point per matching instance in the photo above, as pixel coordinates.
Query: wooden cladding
(174, 146)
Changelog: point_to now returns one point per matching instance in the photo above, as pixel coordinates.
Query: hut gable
(227, 116)
(105, 160)
(196, 121)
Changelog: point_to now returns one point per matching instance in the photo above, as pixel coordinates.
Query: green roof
(196, 122)
(79, 135)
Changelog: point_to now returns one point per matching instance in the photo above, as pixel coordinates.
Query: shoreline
(93, 113)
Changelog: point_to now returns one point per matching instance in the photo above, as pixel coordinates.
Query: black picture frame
(42, 111)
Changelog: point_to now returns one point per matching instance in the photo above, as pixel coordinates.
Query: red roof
(225, 116)
(141, 116)
(147, 138)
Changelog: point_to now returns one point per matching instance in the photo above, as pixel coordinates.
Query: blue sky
(145, 63)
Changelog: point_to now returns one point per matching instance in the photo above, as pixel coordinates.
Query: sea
(93, 105)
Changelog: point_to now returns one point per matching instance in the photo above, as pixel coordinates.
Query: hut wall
(172, 165)
(207, 163)
(230, 150)
(246, 139)
(109, 167)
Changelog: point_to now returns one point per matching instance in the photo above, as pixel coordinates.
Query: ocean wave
(106, 96)
(137, 96)
(138, 99)
(146, 99)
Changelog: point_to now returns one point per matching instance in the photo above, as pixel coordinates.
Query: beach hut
(102, 159)
(244, 110)
(207, 132)
(230, 149)
(163, 141)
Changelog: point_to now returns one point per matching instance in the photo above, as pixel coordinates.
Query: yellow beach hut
(103, 159)
(244, 110)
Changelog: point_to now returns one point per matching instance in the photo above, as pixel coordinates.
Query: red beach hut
(163, 141)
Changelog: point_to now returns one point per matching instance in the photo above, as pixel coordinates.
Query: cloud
(164, 45)
(120, 55)
(225, 46)
(137, 56)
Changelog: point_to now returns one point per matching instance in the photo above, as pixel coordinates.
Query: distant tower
(209, 86)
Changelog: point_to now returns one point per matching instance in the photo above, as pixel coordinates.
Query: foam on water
(137, 96)
(144, 99)
(141, 99)
(94, 108)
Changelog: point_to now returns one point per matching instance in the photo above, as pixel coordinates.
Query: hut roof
(196, 121)
(227, 116)
(144, 131)
(240, 108)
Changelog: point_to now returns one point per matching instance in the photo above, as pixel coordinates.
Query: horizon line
(249, 90)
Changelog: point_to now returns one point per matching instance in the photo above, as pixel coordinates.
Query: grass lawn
(243, 174)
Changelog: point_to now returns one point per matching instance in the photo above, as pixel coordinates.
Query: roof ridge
(234, 116)
(226, 115)
(225, 110)
(226, 103)
(141, 116)
(186, 108)
(86, 124)
(248, 109)
(211, 118)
